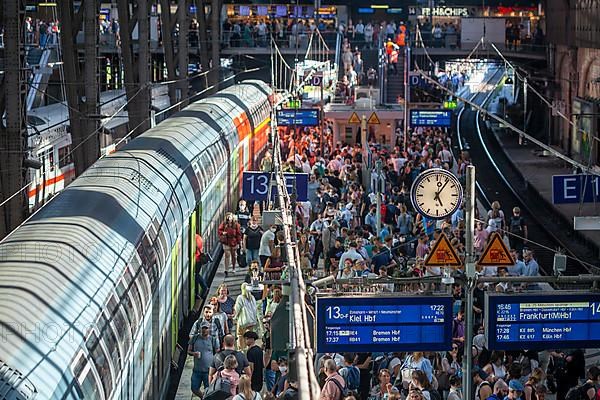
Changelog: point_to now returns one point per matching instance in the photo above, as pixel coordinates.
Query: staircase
(394, 85)
(370, 59)
(37, 61)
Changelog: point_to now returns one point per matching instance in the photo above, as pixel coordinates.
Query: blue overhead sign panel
(299, 117)
(575, 189)
(543, 321)
(255, 185)
(383, 324)
(440, 118)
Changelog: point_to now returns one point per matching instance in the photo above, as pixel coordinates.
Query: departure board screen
(549, 320)
(300, 117)
(441, 118)
(388, 324)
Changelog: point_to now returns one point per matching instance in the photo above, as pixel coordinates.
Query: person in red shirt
(230, 235)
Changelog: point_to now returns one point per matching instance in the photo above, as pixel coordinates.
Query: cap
(251, 335)
(515, 385)
(205, 324)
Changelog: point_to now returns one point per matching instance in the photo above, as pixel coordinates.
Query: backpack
(219, 389)
(434, 395)
(344, 391)
(579, 392)
(352, 377)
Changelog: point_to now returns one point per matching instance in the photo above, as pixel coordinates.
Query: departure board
(441, 118)
(374, 324)
(300, 117)
(549, 320)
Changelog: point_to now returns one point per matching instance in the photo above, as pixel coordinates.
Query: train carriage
(95, 286)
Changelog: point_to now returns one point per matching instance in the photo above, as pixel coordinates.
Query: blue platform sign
(548, 320)
(575, 189)
(439, 118)
(255, 185)
(383, 324)
(299, 117)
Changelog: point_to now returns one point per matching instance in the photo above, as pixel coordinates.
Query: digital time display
(545, 321)
(368, 324)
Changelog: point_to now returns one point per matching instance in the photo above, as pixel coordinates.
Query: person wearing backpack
(518, 230)
(216, 329)
(588, 390)
(243, 367)
(334, 388)
(203, 348)
(350, 373)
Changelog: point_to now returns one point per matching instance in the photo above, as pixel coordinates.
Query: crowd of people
(40, 33)
(339, 234)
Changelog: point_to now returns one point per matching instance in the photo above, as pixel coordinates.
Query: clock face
(436, 193)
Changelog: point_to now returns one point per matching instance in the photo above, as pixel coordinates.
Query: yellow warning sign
(374, 119)
(442, 254)
(354, 119)
(496, 253)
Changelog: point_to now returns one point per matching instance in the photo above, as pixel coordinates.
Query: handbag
(219, 389)
(406, 373)
(443, 379)
(241, 259)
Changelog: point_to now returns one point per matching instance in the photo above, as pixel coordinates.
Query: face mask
(273, 230)
(282, 369)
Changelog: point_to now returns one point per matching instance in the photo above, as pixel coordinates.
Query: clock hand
(442, 188)
(437, 197)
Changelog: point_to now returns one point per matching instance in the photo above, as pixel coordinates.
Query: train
(96, 284)
(49, 140)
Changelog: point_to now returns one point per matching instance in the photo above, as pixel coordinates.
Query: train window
(35, 120)
(110, 341)
(100, 361)
(89, 388)
(134, 292)
(148, 258)
(127, 304)
(51, 157)
(64, 156)
(120, 323)
(140, 279)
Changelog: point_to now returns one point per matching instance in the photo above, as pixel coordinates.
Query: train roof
(58, 269)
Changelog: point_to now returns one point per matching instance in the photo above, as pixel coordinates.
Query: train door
(174, 295)
(192, 267)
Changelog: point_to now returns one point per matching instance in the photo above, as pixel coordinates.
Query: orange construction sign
(354, 119)
(373, 119)
(496, 253)
(442, 254)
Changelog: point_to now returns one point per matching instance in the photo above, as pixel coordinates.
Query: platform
(234, 282)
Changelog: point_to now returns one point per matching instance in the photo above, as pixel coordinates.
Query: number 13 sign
(255, 185)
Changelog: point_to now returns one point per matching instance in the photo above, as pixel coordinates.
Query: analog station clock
(436, 193)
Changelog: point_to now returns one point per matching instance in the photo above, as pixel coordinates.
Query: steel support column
(12, 135)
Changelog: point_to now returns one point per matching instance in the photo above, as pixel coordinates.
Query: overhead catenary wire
(534, 90)
(508, 124)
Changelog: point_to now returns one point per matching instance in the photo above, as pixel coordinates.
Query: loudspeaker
(560, 263)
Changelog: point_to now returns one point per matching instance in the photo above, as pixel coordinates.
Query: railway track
(498, 179)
